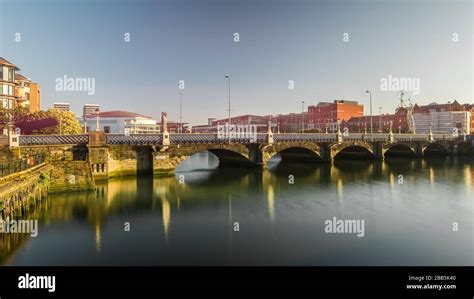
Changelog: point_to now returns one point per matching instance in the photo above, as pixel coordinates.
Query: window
(11, 75)
(1, 72)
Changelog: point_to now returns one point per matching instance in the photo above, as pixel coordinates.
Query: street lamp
(180, 113)
(97, 119)
(380, 120)
(228, 79)
(302, 117)
(85, 123)
(370, 98)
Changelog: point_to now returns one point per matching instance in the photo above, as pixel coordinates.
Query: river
(415, 212)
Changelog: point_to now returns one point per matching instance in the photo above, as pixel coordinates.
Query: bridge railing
(135, 139)
(423, 137)
(14, 166)
(214, 138)
(319, 137)
(53, 139)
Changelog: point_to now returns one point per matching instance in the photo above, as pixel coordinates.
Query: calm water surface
(409, 207)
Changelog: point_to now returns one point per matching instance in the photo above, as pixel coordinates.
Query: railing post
(390, 134)
(164, 126)
(270, 133)
(14, 140)
(430, 135)
(339, 134)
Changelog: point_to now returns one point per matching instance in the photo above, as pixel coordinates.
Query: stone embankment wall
(70, 168)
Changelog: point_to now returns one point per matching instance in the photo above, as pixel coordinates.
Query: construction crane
(408, 107)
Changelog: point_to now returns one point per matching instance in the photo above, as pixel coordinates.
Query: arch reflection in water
(280, 223)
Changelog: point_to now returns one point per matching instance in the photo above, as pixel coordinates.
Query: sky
(279, 41)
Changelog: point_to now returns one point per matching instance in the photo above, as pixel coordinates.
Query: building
(380, 123)
(62, 106)
(121, 122)
(442, 118)
(90, 109)
(315, 119)
(288, 123)
(470, 109)
(261, 122)
(174, 127)
(327, 114)
(35, 97)
(7, 83)
(27, 93)
(22, 91)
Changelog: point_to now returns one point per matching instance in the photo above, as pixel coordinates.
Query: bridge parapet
(135, 139)
(28, 140)
(213, 138)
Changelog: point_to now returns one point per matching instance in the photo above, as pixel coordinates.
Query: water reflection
(408, 204)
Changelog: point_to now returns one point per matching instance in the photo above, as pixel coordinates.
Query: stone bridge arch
(438, 148)
(356, 148)
(166, 159)
(293, 151)
(400, 149)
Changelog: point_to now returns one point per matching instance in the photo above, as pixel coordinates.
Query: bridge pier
(164, 164)
(377, 151)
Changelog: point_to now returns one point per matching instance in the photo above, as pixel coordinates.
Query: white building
(119, 121)
(62, 106)
(89, 109)
(444, 122)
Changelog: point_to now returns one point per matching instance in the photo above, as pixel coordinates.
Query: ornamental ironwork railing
(214, 138)
(135, 139)
(14, 166)
(53, 139)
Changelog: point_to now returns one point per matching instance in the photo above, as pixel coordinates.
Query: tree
(52, 121)
(66, 122)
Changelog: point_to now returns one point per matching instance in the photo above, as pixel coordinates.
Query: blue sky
(192, 40)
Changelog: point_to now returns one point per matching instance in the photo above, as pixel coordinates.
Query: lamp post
(302, 117)
(85, 124)
(380, 120)
(180, 112)
(370, 99)
(228, 79)
(97, 119)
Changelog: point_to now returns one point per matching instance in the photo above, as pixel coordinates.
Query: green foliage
(44, 179)
(17, 114)
(67, 122)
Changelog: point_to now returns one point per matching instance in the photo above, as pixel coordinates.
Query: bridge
(111, 155)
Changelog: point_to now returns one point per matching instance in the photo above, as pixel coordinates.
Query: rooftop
(5, 62)
(118, 113)
(20, 77)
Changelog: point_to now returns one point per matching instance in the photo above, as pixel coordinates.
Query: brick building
(380, 123)
(327, 114)
(315, 119)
